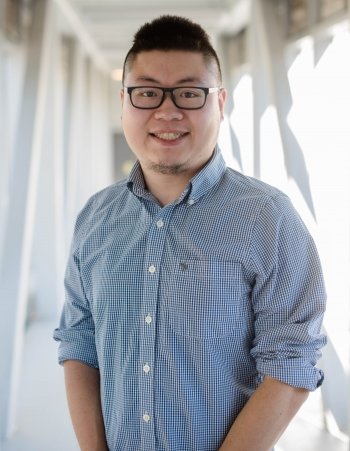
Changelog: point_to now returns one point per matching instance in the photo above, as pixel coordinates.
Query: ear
(222, 101)
(122, 96)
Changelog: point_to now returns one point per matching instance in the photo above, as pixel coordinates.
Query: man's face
(170, 140)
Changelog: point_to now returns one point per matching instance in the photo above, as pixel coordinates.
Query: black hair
(171, 33)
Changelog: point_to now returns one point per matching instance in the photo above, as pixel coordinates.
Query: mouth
(169, 136)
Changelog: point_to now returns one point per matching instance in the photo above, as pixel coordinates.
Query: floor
(43, 419)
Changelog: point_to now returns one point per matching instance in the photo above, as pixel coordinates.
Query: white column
(76, 152)
(14, 265)
(48, 239)
(58, 143)
(261, 76)
(101, 129)
(348, 378)
(12, 64)
(4, 143)
(271, 87)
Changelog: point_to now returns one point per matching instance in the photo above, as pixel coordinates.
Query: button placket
(151, 269)
(153, 255)
(160, 223)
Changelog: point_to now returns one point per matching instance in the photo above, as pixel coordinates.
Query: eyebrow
(179, 82)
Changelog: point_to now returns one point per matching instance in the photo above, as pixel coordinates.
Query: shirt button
(190, 202)
(160, 223)
(146, 417)
(148, 319)
(152, 269)
(146, 368)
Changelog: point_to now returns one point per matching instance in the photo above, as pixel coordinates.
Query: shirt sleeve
(76, 331)
(288, 297)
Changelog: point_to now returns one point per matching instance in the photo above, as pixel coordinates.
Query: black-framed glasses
(184, 97)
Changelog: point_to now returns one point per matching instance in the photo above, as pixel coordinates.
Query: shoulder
(108, 195)
(245, 184)
(103, 203)
(265, 210)
(252, 194)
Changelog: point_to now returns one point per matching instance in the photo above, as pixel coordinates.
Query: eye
(190, 93)
(147, 92)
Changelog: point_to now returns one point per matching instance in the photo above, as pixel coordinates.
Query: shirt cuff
(76, 345)
(294, 372)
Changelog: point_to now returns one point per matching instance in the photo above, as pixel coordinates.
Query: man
(194, 293)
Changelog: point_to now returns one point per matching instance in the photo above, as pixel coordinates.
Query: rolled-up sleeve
(288, 297)
(76, 331)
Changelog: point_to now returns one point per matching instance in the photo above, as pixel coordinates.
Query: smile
(169, 136)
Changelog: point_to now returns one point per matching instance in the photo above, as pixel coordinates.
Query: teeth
(168, 136)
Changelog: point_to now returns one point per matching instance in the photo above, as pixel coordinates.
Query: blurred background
(286, 66)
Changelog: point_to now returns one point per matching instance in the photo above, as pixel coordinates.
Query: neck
(166, 188)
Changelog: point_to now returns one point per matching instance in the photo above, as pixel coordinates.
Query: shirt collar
(136, 181)
(208, 177)
(199, 185)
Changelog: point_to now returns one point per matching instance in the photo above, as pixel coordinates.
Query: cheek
(135, 130)
(132, 123)
(135, 118)
(209, 123)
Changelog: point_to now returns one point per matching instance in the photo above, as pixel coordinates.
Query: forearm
(83, 394)
(264, 418)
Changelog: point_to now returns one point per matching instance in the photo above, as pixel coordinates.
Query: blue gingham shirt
(185, 308)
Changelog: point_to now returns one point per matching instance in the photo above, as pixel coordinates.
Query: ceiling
(111, 24)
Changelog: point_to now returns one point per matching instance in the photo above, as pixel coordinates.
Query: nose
(168, 110)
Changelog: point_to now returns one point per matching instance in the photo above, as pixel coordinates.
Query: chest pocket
(207, 298)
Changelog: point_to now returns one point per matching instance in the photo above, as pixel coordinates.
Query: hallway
(286, 122)
(43, 418)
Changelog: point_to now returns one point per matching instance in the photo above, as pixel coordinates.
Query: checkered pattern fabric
(185, 308)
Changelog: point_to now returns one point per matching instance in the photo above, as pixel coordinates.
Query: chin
(168, 169)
